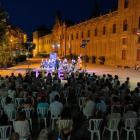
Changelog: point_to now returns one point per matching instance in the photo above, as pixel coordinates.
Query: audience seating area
(85, 107)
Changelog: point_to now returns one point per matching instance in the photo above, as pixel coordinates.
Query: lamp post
(29, 46)
(84, 43)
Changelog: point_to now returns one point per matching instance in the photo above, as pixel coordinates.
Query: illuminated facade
(16, 39)
(114, 35)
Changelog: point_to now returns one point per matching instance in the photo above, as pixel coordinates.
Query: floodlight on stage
(58, 46)
(53, 46)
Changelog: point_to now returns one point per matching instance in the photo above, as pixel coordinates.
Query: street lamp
(29, 46)
(84, 43)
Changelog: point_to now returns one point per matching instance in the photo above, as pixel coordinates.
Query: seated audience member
(98, 115)
(126, 93)
(29, 85)
(12, 92)
(117, 86)
(54, 92)
(56, 103)
(15, 136)
(138, 85)
(21, 95)
(65, 115)
(43, 103)
(34, 88)
(24, 88)
(27, 103)
(21, 121)
(127, 85)
(42, 93)
(115, 101)
(127, 100)
(116, 93)
(122, 88)
(114, 115)
(83, 93)
(89, 103)
(43, 135)
(100, 104)
(30, 95)
(9, 104)
(136, 94)
(129, 113)
(59, 85)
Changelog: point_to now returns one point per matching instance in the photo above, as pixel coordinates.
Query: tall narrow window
(47, 41)
(88, 33)
(139, 22)
(76, 35)
(104, 30)
(138, 55)
(125, 25)
(82, 35)
(126, 2)
(96, 32)
(114, 28)
(71, 36)
(123, 54)
(124, 41)
(138, 39)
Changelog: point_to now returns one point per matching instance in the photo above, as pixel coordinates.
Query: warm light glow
(58, 45)
(11, 40)
(53, 46)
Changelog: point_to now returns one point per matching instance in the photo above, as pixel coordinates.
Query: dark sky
(29, 15)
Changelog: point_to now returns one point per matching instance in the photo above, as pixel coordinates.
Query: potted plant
(102, 59)
(93, 59)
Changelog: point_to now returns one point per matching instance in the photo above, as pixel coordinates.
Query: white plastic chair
(39, 99)
(3, 100)
(77, 92)
(88, 111)
(3, 132)
(34, 94)
(119, 106)
(11, 114)
(19, 101)
(29, 114)
(130, 124)
(20, 129)
(64, 124)
(113, 126)
(65, 93)
(51, 100)
(55, 114)
(42, 113)
(96, 129)
(25, 93)
(81, 101)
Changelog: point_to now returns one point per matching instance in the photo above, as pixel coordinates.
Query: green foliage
(4, 30)
(22, 58)
(102, 58)
(93, 59)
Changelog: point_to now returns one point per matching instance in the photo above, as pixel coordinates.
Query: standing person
(57, 61)
(42, 64)
(79, 62)
(46, 63)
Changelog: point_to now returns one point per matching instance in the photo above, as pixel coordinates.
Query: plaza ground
(134, 75)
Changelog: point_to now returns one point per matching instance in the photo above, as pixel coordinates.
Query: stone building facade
(114, 35)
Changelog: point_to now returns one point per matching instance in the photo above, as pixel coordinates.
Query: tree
(31, 48)
(4, 30)
(95, 12)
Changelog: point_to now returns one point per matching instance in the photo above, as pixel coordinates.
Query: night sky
(29, 15)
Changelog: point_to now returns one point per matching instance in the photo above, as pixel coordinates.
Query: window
(123, 54)
(124, 41)
(104, 30)
(126, 3)
(47, 41)
(71, 36)
(114, 28)
(138, 39)
(125, 25)
(76, 35)
(96, 32)
(138, 55)
(82, 35)
(88, 33)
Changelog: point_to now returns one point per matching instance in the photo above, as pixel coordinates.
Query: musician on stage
(57, 61)
(42, 64)
(46, 63)
(73, 65)
(79, 64)
(65, 63)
